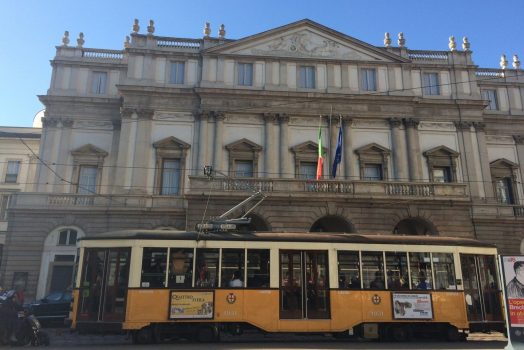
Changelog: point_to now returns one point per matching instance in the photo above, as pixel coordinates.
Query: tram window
(444, 271)
(257, 268)
(421, 277)
(207, 268)
(348, 270)
(232, 274)
(397, 271)
(373, 270)
(154, 261)
(180, 268)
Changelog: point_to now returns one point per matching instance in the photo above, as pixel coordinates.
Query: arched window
(332, 223)
(58, 260)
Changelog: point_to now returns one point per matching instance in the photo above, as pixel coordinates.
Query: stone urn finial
(80, 40)
(516, 62)
(401, 40)
(387, 40)
(136, 26)
(207, 30)
(65, 38)
(503, 62)
(222, 32)
(452, 44)
(465, 44)
(127, 43)
(151, 27)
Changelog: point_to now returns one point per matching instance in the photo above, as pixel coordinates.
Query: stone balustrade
(178, 43)
(423, 55)
(102, 55)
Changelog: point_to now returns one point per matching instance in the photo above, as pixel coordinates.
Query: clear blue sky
(32, 28)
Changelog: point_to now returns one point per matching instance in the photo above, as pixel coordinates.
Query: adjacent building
(431, 143)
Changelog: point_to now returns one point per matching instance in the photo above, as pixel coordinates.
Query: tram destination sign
(191, 305)
(412, 306)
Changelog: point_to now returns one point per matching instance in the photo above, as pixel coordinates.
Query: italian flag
(320, 162)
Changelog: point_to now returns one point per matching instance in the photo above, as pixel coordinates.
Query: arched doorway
(58, 260)
(415, 226)
(332, 223)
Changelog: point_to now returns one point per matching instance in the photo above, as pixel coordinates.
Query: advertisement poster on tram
(412, 306)
(513, 274)
(191, 305)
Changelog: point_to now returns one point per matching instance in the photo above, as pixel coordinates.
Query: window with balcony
(442, 164)
(306, 77)
(177, 72)
(243, 158)
(245, 74)
(12, 171)
(503, 175)
(490, 95)
(368, 79)
(171, 156)
(306, 157)
(307, 170)
(430, 84)
(99, 84)
(374, 162)
(88, 162)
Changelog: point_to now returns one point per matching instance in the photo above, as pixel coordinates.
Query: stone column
(143, 152)
(467, 157)
(485, 175)
(203, 141)
(219, 147)
(400, 161)
(48, 154)
(63, 157)
(286, 166)
(413, 146)
(112, 178)
(271, 146)
(348, 156)
(126, 149)
(519, 141)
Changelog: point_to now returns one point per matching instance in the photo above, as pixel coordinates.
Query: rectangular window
(243, 168)
(180, 268)
(245, 74)
(206, 268)
(170, 177)
(348, 270)
(87, 179)
(232, 269)
(67, 237)
(397, 271)
(368, 79)
(373, 172)
(373, 270)
(491, 96)
(257, 268)
(13, 168)
(306, 76)
(307, 170)
(504, 190)
(444, 267)
(177, 72)
(430, 84)
(154, 265)
(421, 276)
(99, 86)
(441, 174)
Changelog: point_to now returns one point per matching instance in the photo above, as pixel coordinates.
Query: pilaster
(467, 157)
(271, 145)
(400, 161)
(348, 156)
(413, 147)
(519, 142)
(286, 166)
(219, 147)
(485, 175)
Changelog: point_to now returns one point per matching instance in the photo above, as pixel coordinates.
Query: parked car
(53, 309)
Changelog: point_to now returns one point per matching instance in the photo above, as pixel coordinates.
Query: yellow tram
(155, 283)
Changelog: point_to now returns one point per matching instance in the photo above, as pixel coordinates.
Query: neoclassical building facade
(431, 143)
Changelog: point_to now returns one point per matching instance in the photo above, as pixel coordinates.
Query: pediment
(171, 142)
(441, 151)
(306, 39)
(503, 163)
(372, 148)
(307, 147)
(89, 150)
(244, 145)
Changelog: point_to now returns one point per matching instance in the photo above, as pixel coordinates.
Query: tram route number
(376, 313)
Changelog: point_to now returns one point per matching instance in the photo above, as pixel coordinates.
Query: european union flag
(338, 153)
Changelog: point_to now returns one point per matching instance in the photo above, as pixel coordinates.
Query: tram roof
(287, 237)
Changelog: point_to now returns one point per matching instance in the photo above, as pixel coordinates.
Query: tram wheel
(206, 334)
(452, 334)
(399, 333)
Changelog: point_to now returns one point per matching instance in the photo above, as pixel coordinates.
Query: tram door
(481, 288)
(304, 284)
(104, 284)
